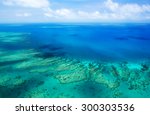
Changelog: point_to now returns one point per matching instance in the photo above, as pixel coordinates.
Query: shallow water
(75, 60)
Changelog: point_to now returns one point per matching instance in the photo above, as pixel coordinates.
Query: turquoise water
(75, 60)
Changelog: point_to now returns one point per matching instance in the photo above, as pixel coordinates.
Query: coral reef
(48, 72)
(13, 37)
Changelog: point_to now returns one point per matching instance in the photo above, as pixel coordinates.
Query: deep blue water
(87, 43)
(98, 41)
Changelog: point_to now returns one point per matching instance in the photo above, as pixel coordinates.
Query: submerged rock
(144, 67)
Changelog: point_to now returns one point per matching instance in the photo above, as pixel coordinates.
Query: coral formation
(46, 71)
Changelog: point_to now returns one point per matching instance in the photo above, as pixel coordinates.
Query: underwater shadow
(138, 38)
(49, 50)
(19, 91)
(90, 89)
(6, 63)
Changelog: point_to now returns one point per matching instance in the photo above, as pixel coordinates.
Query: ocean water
(75, 60)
